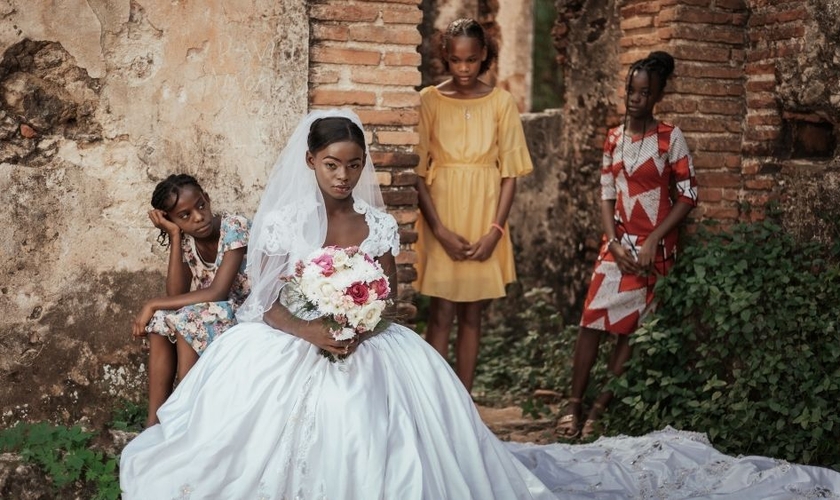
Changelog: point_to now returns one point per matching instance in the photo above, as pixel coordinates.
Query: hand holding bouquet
(345, 287)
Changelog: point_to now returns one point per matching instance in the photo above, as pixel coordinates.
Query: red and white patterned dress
(641, 174)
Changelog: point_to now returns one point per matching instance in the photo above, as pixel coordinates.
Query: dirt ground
(510, 425)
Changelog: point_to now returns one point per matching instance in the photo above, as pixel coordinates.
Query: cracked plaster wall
(99, 100)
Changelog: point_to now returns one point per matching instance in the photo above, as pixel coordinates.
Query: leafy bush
(64, 455)
(745, 346)
(527, 350)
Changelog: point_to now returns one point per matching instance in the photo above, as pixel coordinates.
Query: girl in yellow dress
(472, 148)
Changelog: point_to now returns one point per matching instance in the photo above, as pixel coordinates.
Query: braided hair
(469, 28)
(657, 63)
(170, 189)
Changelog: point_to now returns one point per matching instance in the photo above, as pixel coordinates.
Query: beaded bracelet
(499, 227)
(613, 240)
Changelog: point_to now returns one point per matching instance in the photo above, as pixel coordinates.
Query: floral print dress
(200, 323)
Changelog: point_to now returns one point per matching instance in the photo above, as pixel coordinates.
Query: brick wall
(725, 94)
(706, 96)
(364, 56)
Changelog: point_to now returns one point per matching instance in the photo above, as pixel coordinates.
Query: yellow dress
(466, 147)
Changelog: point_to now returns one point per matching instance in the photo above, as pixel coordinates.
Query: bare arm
(455, 245)
(648, 252)
(218, 290)
(178, 275)
(625, 261)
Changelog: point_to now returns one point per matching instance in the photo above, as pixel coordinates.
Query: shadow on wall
(554, 220)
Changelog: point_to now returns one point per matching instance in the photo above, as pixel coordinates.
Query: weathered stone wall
(99, 100)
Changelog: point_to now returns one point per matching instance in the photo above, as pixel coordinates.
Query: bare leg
(187, 357)
(162, 362)
(586, 353)
(467, 342)
(616, 366)
(441, 316)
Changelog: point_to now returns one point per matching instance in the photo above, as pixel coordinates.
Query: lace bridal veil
(291, 219)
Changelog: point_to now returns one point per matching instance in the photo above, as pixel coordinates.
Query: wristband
(499, 227)
(613, 240)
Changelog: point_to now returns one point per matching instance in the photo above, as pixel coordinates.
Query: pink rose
(358, 292)
(381, 288)
(325, 262)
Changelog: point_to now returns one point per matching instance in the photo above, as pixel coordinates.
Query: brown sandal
(569, 424)
(591, 426)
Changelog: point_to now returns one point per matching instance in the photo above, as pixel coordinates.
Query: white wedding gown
(263, 415)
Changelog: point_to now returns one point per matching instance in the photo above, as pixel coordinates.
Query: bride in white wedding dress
(264, 415)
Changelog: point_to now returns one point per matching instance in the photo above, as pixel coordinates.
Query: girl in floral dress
(647, 188)
(205, 282)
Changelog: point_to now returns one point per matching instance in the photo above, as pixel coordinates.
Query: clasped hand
(317, 332)
(640, 265)
(459, 249)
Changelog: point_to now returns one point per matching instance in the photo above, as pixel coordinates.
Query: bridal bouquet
(345, 286)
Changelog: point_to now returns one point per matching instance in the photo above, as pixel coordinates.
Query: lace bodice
(383, 235)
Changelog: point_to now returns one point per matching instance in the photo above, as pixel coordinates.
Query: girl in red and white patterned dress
(647, 188)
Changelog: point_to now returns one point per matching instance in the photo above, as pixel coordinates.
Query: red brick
(712, 195)
(762, 100)
(406, 117)
(722, 106)
(384, 178)
(341, 11)
(385, 76)
(761, 134)
(780, 17)
(750, 167)
(401, 35)
(398, 138)
(755, 119)
(776, 32)
(395, 15)
(677, 104)
(332, 32)
(405, 216)
(645, 40)
(719, 211)
(407, 257)
(400, 99)
(718, 143)
(394, 159)
(325, 97)
(708, 124)
(731, 194)
(640, 8)
(701, 52)
(411, 59)
(718, 179)
(394, 197)
(762, 68)
(707, 87)
(406, 177)
(320, 74)
(736, 5)
(632, 23)
(754, 85)
(760, 184)
(336, 55)
(713, 161)
(701, 70)
(694, 15)
(715, 34)
(410, 2)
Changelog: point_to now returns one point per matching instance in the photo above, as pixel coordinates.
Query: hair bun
(663, 58)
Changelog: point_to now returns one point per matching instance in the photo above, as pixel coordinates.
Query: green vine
(745, 346)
